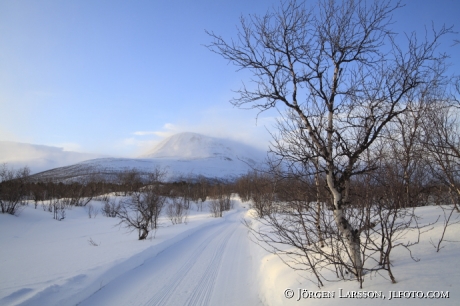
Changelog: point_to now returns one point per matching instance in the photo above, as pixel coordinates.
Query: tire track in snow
(202, 293)
(169, 288)
(208, 267)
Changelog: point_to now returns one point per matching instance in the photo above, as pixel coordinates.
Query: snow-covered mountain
(193, 146)
(39, 157)
(181, 155)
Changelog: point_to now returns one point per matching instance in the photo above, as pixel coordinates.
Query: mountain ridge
(181, 155)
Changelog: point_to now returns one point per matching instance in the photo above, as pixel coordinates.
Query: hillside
(181, 155)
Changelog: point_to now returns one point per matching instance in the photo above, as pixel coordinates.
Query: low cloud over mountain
(181, 155)
(39, 157)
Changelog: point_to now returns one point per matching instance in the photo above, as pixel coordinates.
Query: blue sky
(115, 77)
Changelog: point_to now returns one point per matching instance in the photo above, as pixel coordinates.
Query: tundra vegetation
(136, 198)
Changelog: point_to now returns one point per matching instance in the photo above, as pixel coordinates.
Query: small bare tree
(449, 220)
(221, 201)
(199, 204)
(177, 211)
(111, 208)
(142, 210)
(442, 142)
(263, 193)
(215, 207)
(12, 188)
(58, 207)
(92, 211)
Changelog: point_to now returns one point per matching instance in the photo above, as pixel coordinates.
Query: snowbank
(433, 272)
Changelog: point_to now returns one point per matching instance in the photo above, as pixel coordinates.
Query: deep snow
(207, 261)
(433, 272)
(49, 262)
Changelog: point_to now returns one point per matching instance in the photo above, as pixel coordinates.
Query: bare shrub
(263, 193)
(12, 189)
(58, 208)
(92, 211)
(111, 208)
(92, 243)
(448, 220)
(215, 208)
(442, 143)
(38, 193)
(176, 211)
(199, 204)
(244, 186)
(316, 243)
(103, 198)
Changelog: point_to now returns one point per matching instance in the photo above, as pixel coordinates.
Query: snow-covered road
(213, 266)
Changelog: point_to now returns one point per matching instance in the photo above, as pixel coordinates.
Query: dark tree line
(141, 196)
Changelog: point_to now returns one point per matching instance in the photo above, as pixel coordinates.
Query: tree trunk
(318, 205)
(143, 233)
(351, 235)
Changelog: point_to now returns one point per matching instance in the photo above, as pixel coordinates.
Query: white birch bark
(345, 228)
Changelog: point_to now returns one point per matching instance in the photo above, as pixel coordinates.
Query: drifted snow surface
(203, 262)
(207, 261)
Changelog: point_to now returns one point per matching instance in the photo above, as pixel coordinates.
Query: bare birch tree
(142, 210)
(338, 75)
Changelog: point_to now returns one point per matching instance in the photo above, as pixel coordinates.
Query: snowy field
(207, 261)
(433, 272)
(49, 262)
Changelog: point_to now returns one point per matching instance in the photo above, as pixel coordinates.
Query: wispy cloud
(144, 133)
(68, 146)
(228, 123)
(167, 130)
(39, 157)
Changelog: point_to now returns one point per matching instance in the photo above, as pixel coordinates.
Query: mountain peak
(187, 146)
